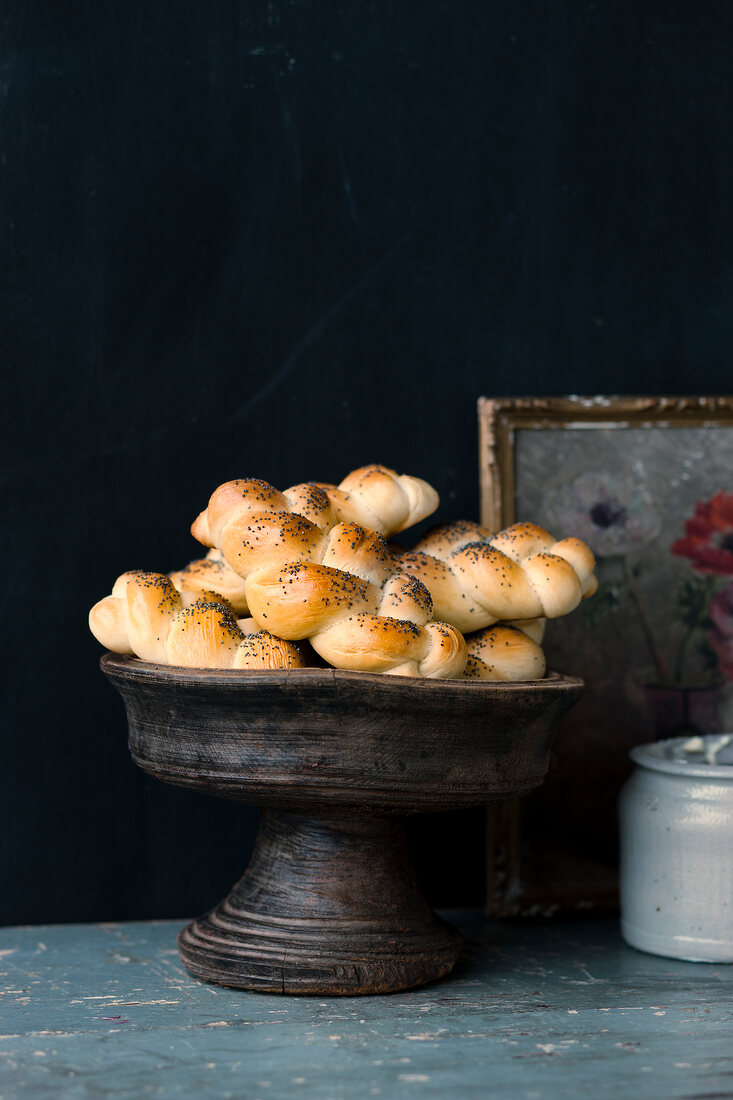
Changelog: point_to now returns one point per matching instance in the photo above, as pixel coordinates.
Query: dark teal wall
(283, 239)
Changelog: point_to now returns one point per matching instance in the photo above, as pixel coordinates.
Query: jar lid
(709, 756)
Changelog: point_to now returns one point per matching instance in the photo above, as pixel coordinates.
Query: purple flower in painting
(721, 633)
(613, 513)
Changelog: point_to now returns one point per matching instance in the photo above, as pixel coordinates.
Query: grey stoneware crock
(676, 822)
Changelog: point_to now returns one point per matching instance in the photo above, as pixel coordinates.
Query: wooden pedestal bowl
(329, 902)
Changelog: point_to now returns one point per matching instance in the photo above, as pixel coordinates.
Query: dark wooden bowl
(329, 902)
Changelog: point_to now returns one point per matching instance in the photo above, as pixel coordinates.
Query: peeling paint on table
(533, 1012)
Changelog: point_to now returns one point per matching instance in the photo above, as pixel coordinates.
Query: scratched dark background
(284, 239)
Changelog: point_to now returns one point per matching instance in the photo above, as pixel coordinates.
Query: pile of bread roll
(308, 576)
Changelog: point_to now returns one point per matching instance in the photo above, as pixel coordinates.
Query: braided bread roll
(355, 624)
(210, 574)
(519, 542)
(145, 617)
(373, 496)
(477, 579)
(534, 628)
(442, 540)
(504, 653)
(279, 538)
(302, 583)
(385, 501)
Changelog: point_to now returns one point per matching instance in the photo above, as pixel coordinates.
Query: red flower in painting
(708, 538)
(721, 635)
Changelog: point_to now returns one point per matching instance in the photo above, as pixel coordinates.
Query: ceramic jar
(676, 822)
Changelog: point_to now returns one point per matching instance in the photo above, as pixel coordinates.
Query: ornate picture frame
(648, 481)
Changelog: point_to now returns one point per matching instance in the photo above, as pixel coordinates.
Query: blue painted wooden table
(533, 1012)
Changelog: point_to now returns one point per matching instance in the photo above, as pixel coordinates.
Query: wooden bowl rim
(149, 670)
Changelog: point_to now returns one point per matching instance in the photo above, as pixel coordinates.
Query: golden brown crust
(349, 621)
(312, 501)
(136, 617)
(369, 643)
(145, 617)
(357, 550)
(520, 540)
(447, 652)
(204, 635)
(373, 496)
(263, 650)
(312, 563)
(475, 669)
(279, 538)
(248, 625)
(504, 653)
(354, 624)
(534, 628)
(580, 556)
(555, 583)
(243, 497)
(377, 497)
(452, 603)
(306, 559)
(379, 643)
(442, 541)
(497, 583)
(207, 575)
(406, 597)
(108, 624)
(297, 600)
(520, 573)
(265, 541)
(152, 602)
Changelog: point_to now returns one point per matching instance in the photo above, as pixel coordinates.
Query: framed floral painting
(648, 483)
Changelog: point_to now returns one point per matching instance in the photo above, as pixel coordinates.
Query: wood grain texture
(533, 1010)
(501, 417)
(326, 906)
(512, 886)
(325, 738)
(329, 903)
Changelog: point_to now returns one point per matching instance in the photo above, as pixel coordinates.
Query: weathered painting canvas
(654, 644)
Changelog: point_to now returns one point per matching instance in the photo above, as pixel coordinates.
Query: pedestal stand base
(328, 905)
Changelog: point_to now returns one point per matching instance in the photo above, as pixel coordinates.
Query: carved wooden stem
(328, 905)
